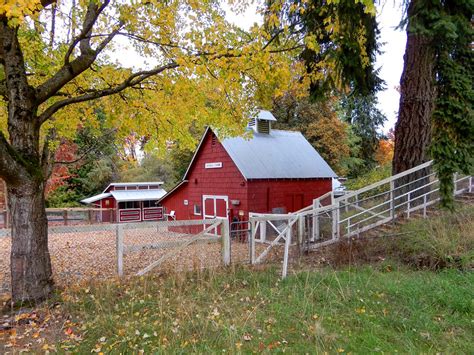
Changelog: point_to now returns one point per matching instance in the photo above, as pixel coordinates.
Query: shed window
(197, 210)
(148, 204)
(129, 204)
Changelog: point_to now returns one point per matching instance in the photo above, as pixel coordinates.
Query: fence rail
(81, 252)
(331, 218)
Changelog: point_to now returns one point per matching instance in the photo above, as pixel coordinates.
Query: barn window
(197, 210)
(213, 140)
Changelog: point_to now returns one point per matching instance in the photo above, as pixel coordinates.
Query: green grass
(443, 241)
(361, 310)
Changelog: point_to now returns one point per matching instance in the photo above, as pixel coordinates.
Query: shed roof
(128, 195)
(96, 197)
(278, 155)
(138, 195)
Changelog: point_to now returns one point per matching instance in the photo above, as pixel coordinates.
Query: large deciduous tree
(57, 58)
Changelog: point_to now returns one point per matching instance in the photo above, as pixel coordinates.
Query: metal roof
(266, 115)
(128, 195)
(278, 155)
(96, 198)
(138, 195)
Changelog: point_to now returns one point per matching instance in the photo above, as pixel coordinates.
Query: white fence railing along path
(331, 218)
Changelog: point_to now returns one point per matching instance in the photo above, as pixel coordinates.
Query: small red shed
(272, 171)
(129, 202)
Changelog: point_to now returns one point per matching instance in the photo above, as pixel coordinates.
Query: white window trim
(194, 210)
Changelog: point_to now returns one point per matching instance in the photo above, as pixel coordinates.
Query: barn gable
(211, 172)
(271, 170)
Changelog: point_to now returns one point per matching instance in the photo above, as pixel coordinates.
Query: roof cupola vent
(263, 122)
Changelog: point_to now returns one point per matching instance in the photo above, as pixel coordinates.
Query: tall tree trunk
(417, 97)
(23, 168)
(30, 261)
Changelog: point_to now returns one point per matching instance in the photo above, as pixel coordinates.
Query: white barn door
(215, 206)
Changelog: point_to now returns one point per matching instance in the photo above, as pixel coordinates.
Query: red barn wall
(225, 181)
(108, 215)
(292, 195)
(175, 202)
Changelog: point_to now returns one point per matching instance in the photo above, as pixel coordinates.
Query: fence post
(409, 205)
(424, 206)
(335, 218)
(225, 241)
(65, 217)
(287, 252)
(119, 243)
(315, 231)
(300, 231)
(392, 200)
(252, 242)
(263, 231)
(470, 184)
(455, 177)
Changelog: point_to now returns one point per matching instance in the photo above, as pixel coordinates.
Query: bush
(373, 176)
(439, 242)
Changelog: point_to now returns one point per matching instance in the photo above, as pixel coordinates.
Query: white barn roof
(96, 198)
(278, 155)
(128, 195)
(137, 195)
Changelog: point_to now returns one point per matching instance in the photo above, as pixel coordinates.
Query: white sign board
(215, 165)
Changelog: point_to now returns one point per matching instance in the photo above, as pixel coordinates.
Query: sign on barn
(272, 171)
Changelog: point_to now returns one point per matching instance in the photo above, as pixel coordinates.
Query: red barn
(272, 171)
(129, 202)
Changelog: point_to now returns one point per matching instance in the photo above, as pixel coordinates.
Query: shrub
(443, 241)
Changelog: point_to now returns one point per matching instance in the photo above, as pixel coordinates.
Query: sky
(391, 61)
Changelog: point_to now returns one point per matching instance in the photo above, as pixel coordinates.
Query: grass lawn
(360, 310)
(418, 299)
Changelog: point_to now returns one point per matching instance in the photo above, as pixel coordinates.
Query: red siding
(254, 195)
(292, 195)
(225, 181)
(109, 215)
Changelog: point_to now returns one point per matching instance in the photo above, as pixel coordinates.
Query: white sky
(391, 61)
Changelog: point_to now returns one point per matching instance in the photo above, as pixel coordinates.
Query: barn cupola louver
(263, 122)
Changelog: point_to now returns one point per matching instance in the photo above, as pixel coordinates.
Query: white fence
(111, 250)
(331, 218)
